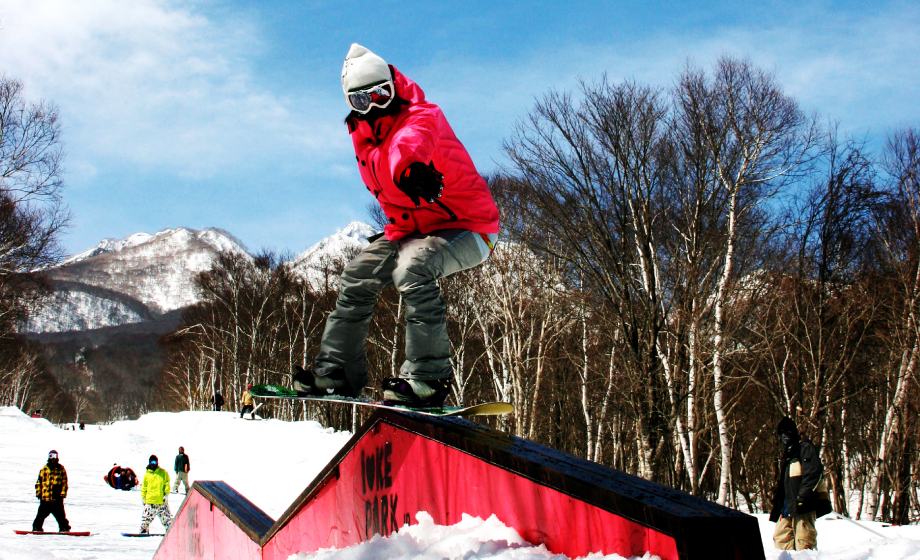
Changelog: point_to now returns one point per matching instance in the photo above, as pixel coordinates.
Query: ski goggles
(53, 455)
(379, 95)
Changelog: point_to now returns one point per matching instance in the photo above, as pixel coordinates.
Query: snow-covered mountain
(319, 263)
(143, 276)
(130, 280)
(217, 239)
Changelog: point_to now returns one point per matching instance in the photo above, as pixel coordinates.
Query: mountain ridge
(144, 276)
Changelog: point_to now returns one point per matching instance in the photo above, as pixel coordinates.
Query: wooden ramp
(398, 464)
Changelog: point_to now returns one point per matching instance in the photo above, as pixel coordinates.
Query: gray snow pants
(413, 264)
(183, 478)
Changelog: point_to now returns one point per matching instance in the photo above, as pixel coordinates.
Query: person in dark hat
(51, 489)
(801, 494)
(217, 400)
(182, 465)
(154, 491)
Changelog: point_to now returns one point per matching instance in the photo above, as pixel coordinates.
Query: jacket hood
(406, 88)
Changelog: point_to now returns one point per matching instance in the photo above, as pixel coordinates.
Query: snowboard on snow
(66, 534)
(142, 534)
(483, 409)
(257, 407)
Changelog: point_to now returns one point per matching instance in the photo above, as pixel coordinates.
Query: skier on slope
(153, 492)
(51, 489)
(442, 220)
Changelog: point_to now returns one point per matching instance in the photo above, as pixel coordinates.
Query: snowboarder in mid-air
(51, 489)
(441, 220)
(153, 492)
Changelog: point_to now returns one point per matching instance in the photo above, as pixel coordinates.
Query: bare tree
(32, 215)
(900, 234)
(756, 138)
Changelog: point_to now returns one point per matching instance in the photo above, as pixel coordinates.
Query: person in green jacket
(153, 491)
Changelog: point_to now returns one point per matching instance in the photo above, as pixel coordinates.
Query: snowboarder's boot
(333, 384)
(306, 382)
(302, 380)
(415, 393)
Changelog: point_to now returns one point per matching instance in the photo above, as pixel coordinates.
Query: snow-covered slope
(79, 307)
(271, 462)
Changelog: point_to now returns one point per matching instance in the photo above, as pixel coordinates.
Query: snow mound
(470, 539)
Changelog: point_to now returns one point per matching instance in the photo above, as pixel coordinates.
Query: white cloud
(858, 68)
(151, 84)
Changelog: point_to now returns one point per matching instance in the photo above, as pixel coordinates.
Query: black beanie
(787, 425)
(153, 459)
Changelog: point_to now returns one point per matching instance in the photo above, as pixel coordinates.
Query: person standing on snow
(51, 489)
(153, 492)
(182, 466)
(217, 400)
(801, 494)
(442, 219)
(246, 399)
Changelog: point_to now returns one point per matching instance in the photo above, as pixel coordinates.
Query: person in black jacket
(800, 495)
(217, 400)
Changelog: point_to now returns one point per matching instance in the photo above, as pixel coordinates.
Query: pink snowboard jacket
(419, 132)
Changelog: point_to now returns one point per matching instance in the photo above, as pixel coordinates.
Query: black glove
(421, 182)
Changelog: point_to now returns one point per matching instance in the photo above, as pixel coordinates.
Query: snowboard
(67, 534)
(142, 534)
(483, 409)
(257, 407)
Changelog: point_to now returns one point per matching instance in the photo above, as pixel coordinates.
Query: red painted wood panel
(203, 532)
(391, 474)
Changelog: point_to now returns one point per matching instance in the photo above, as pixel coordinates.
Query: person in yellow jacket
(51, 489)
(154, 490)
(247, 403)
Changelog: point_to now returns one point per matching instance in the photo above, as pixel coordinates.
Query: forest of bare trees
(680, 268)
(32, 217)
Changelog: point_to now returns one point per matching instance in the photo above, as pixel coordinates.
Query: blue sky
(228, 114)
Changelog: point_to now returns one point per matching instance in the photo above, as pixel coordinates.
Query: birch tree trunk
(717, 357)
